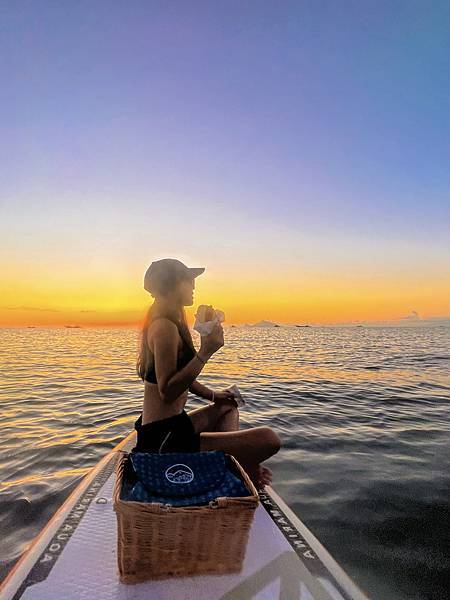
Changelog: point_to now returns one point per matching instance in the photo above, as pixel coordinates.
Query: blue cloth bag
(183, 478)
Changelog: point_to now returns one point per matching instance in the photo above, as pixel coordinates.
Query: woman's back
(185, 353)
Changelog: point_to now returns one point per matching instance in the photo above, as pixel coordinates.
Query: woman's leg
(250, 447)
(228, 420)
(215, 417)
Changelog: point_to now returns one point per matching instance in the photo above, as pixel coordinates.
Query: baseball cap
(168, 269)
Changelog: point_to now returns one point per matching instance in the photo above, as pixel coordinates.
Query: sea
(362, 412)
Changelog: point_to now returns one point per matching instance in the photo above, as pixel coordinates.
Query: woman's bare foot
(259, 475)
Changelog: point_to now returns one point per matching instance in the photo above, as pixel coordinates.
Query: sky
(296, 150)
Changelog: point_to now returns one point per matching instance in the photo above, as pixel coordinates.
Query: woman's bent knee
(271, 439)
(229, 408)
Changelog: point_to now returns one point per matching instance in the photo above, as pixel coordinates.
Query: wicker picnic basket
(157, 541)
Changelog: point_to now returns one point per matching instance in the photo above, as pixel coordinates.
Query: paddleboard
(74, 556)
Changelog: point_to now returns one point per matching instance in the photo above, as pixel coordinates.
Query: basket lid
(180, 473)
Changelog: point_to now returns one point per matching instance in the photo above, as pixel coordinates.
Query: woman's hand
(225, 397)
(212, 342)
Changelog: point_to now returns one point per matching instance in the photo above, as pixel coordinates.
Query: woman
(169, 366)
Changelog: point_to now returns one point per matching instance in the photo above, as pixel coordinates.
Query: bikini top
(185, 355)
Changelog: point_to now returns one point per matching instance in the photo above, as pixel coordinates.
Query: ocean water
(363, 414)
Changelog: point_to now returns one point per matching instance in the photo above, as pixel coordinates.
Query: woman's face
(186, 290)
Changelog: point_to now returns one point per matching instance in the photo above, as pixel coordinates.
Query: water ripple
(363, 415)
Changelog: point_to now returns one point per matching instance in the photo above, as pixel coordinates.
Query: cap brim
(195, 271)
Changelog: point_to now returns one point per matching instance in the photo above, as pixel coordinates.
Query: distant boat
(73, 326)
(303, 325)
(360, 326)
(276, 325)
(31, 326)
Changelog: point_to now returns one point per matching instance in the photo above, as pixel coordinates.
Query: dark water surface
(363, 414)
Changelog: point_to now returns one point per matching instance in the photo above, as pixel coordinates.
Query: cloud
(30, 308)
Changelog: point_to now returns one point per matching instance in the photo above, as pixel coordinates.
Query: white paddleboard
(74, 556)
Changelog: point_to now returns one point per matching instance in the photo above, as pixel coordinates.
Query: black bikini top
(186, 355)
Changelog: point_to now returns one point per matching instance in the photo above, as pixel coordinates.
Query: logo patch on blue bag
(179, 473)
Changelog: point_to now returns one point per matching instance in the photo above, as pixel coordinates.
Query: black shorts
(153, 436)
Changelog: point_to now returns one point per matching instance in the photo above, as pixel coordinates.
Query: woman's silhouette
(169, 364)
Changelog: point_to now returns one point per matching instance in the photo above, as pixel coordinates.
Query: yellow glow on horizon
(56, 299)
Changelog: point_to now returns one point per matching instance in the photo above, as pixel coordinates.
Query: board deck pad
(75, 556)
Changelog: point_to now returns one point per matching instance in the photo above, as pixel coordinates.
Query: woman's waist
(155, 410)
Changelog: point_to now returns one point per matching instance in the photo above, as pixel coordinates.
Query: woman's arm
(201, 390)
(172, 383)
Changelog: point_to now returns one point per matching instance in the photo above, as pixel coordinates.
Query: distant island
(264, 324)
(413, 320)
(73, 326)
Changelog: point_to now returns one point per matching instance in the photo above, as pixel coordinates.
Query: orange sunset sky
(300, 156)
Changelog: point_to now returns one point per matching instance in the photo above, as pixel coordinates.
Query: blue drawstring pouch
(183, 478)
